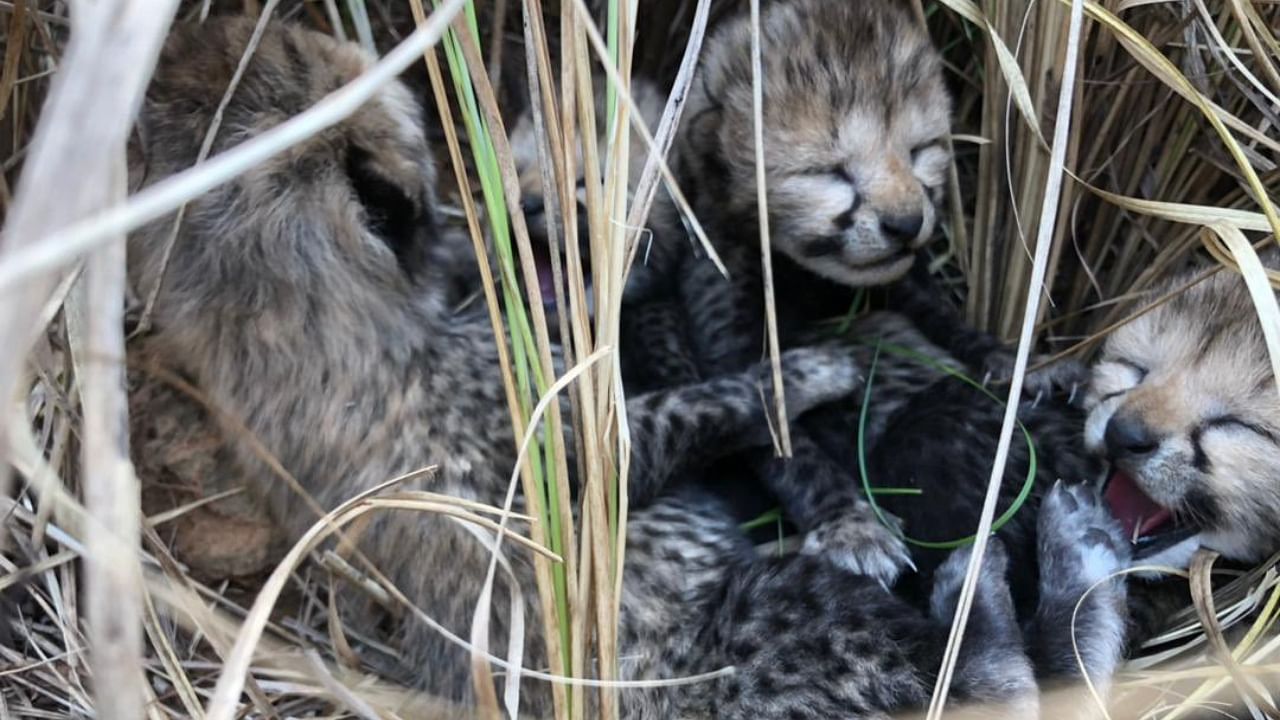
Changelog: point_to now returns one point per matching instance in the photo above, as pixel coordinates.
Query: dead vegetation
(1170, 149)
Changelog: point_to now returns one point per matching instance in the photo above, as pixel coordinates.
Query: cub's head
(648, 101)
(1184, 404)
(338, 231)
(855, 121)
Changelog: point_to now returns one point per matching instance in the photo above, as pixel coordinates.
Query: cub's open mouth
(546, 281)
(890, 259)
(1150, 526)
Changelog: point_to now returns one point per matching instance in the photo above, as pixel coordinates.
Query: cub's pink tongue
(1137, 512)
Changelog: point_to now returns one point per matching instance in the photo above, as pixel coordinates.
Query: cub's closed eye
(922, 148)
(837, 172)
(1139, 369)
(1234, 423)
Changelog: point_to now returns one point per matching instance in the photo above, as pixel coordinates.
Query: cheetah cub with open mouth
(1184, 405)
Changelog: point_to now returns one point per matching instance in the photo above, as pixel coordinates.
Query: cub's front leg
(675, 429)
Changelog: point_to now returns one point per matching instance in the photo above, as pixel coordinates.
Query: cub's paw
(858, 542)
(1062, 376)
(814, 376)
(1080, 542)
(949, 578)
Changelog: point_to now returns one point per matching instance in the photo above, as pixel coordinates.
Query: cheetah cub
(855, 119)
(655, 348)
(854, 124)
(648, 102)
(1183, 403)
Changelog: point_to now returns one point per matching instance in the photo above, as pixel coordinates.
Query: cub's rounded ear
(390, 213)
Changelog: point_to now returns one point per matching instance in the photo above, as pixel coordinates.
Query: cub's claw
(1060, 376)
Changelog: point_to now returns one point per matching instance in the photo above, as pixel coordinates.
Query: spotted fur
(303, 301)
(855, 112)
(854, 126)
(928, 431)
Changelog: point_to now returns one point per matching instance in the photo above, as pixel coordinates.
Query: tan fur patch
(1195, 374)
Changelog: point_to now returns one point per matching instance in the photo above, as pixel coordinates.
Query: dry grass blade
(24, 454)
(349, 699)
(782, 428)
(71, 163)
(16, 40)
(493, 137)
(1243, 256)
(480, 623)
(1202, 596)
(112, 496)
(188, 608)
(27, 459)
(230, 683)
(665, 134)
(1160, 66)
(1007, 61)
(187, 694)
(1048, 215)
(546, 127)
(1188, 213)
(177, 512)
(488, 285)
(682, 203)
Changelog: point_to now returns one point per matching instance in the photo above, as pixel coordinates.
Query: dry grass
(1169, 147)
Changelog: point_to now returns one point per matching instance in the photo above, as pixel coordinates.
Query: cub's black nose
(1129, 437)
(902, 227)
(531, 204)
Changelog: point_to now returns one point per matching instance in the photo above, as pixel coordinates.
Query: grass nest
(1170, 154)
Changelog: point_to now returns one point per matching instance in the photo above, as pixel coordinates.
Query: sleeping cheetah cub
(1184, 405)
(647, 101)
(856, 115)
(855, 118)
(655, 349)
(855, 125)
(301, 300)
